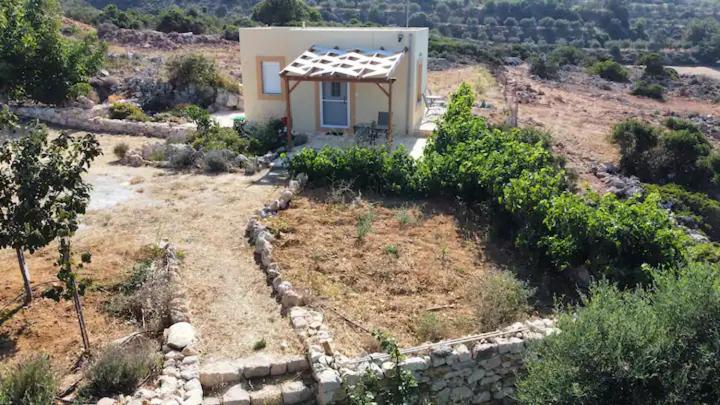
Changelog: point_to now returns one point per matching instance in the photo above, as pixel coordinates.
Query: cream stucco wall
(366, 99)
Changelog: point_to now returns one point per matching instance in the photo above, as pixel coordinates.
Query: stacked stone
(454, 374)
(87, 120)
(234, 372)
(179, 381)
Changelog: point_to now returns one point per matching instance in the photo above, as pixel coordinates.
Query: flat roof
(416, 29)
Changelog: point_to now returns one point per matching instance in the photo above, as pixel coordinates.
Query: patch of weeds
(29, 382)
(444, 256)
(120, 150)
(259, 345)
(277, 226)
(431, 328)
(120, 370)
(499, 299)
(392, 250)
(364, 224)
(405, 218)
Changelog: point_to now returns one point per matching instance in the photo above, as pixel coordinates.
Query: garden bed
(411, 268)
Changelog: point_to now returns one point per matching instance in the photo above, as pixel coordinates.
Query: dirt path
(203, 215)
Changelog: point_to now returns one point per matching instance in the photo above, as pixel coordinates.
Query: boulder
(220, 372)
(180, 335)
(294, 392)
(236, 395)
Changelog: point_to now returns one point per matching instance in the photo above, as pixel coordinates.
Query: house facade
(335, 79)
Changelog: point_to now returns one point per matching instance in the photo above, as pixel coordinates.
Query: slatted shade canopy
(370, 65)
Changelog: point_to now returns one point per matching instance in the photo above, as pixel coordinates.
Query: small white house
(336, 79)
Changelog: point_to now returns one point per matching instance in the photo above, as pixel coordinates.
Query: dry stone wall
(90, 120)
(476, 369)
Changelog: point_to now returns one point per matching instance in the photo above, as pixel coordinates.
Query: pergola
(319, 64)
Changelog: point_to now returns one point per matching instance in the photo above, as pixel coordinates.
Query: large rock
(220, 372)
(236, 395)
(180, 335)
(256, 366)
(294, 392)
(269, 394)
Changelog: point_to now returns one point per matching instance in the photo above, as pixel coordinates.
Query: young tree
(72, 288)
(36, 61)
(41, 189)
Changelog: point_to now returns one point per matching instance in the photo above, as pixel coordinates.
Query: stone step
(214, 374)
(288, 392)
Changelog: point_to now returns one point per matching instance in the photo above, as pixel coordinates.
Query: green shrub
(568, 55)
(364, 224)
(609, 70)
(649, 90)
(431, 328)
(695, 207)
(498, 299)
(30, 382)
(120, 150)
(543, 68)
(218, 161)
(120, 370)
(392, 250)
(661, 156)
(127, 111)
(678, 124)
(645, 346)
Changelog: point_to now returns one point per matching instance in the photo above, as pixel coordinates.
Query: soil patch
(413, 269)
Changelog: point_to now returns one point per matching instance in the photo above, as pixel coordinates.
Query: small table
(367, 134)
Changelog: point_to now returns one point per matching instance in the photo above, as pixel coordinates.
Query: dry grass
(408, 274)
(203, 215)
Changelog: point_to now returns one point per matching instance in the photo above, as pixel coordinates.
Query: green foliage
(568, 55)
(693, 208)
(644, 346)
(259, 345)
(677, 124)
(120, 370)
(218, 161)
(373, 169)
(36, 61)
(130, 19)
(392, 250)
(649, 90)
(654, 65)
(127, 111)
(500, 299)
(431, 328)
(544, 68)
(196, 70)
(284, 12)
(42, 191)
(30, 382)
(399, 388)
(176, 19)
(657, 155)
(364, 224)
(609, 70)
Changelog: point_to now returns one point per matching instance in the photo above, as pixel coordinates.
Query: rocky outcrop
(155, 39)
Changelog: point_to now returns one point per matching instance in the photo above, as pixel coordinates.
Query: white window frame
(322, 102)
(264, 78)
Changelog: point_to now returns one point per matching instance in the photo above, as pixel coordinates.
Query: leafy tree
(41, 190)
(284, 12)
(36, 62)
(610, 70)
(175, 19)
(657, 345)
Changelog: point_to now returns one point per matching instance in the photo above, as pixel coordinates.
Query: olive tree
(42, 191)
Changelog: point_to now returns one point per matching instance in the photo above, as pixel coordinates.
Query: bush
(649, 90)
(677, 124)
(38, 62)
(692, 209)
(127, 111)
(609, 70)
(646, 346)
(120, 150)
(218, 161)
(198, 71)
(543, 68)
(180, 156)
(499, 299)
(30, 382)
(120, 370)
(568, 55)
(662, 156)
(431, 328)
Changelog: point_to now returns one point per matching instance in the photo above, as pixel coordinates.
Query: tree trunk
(25, 275)
(81, 318)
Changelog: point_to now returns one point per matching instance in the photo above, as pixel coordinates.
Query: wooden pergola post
(390, 114)
(288, 113)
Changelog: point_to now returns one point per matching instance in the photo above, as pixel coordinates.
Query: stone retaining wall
(476, 369)
(89, 120)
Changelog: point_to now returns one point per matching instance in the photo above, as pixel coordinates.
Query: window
(271, 78)
(335, 89)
